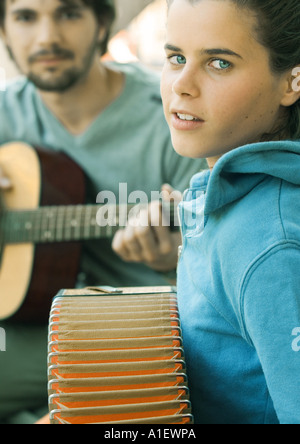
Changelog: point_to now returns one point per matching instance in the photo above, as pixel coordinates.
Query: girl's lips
(185, 125)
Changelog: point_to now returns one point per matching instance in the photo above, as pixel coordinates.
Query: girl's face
(217, 87)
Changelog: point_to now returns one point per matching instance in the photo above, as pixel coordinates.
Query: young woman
(231, 95)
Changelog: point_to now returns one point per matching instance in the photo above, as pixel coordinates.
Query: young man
(108, 118)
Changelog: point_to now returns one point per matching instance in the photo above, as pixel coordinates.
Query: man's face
(53, 42)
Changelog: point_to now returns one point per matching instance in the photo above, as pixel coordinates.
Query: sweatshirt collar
(242, 169)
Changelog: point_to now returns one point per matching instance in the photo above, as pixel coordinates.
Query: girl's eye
(220, 64)
(177, 60)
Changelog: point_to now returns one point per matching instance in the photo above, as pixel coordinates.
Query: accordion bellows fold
(116, 357)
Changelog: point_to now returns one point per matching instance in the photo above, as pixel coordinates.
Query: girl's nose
(187, 83)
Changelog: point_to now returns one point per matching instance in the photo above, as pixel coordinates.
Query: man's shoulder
(139, 76)
(138, 71)
(14, 90)
(140, 99)
(18, 111)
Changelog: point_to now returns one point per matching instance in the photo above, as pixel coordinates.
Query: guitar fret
(62, 223)
(31, 226)
(87, 225)
(19, 228)
(59, 236)
(68, 227)
(76, 222)
(94, 231)
(47, 223)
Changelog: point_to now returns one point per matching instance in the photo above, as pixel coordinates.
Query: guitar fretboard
(66, 223)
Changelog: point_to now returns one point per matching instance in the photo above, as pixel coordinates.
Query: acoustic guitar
(43, 221)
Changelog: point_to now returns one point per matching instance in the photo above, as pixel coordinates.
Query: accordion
(116, 357)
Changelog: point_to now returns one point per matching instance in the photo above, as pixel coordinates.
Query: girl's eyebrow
(172, 48)
(212, 51)
(222, 51)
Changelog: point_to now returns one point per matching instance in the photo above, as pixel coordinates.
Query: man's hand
(147, 239)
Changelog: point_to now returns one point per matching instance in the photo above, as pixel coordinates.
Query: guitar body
(30, 275)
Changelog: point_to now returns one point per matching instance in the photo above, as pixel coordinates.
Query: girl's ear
(292, 88)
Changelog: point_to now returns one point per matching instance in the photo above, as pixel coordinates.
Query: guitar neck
(69, 223)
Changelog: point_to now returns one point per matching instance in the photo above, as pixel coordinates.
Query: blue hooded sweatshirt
(239, 287)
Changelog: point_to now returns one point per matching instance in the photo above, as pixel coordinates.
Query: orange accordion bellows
(116, 357)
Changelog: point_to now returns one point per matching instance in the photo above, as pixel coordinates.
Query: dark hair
(104, 11)
(278, 30)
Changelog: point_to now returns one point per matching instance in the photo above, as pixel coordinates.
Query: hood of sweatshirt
(242, 169)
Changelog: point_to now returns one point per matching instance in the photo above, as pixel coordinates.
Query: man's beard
(68, 78)
(61, 84)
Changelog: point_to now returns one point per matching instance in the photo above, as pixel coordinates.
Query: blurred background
(138, 35)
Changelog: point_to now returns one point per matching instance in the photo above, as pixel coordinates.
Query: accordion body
(116, 357)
